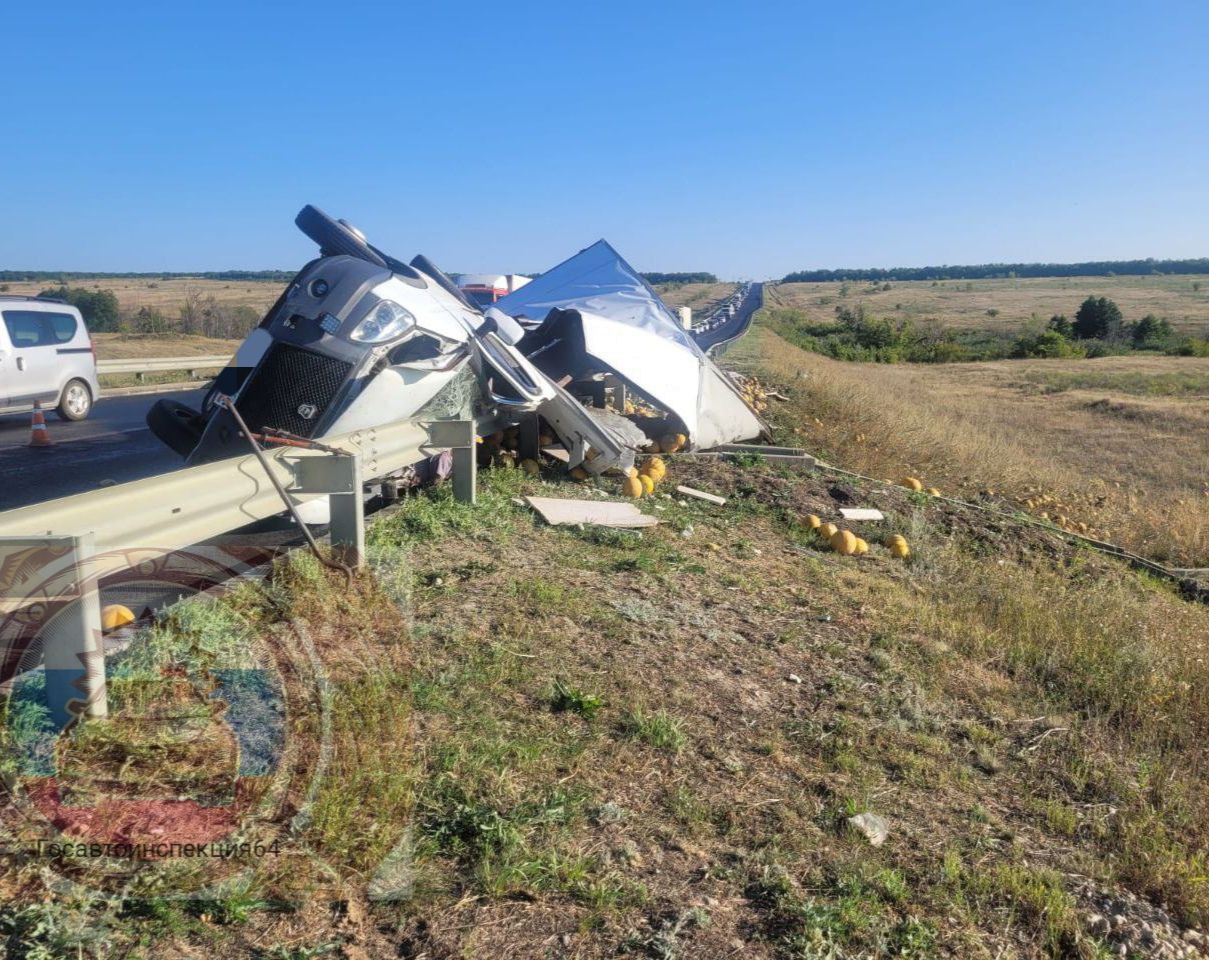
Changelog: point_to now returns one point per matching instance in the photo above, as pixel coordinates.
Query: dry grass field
(699, 296)
(169, 296)
(1184, 300)
(1120, 444)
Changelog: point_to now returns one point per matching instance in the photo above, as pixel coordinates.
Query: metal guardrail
(141, 365)
(76, 541)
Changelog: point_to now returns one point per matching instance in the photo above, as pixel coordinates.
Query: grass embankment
(1118, 444)
(587, 743)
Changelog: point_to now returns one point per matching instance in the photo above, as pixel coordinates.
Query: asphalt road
(112, 444)
(738, 324)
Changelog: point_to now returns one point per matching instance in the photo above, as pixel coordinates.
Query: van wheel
(75, 403)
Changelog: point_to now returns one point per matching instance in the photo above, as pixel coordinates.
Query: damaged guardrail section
(54, 555)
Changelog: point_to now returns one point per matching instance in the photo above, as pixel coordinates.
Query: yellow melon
(827, 529)
(933, 492)
(115, 615)
(579, 473)
(844, 541)
(900, 549)
(862, 547)
(631, 487)
(912, 484)
(648, 485)
(813, 521)
(531, 467)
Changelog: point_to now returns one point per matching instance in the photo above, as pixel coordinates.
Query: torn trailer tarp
(598, 302)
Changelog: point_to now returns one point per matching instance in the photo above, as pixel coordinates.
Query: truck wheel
(75, 402)
(177, 425)
(335, 237)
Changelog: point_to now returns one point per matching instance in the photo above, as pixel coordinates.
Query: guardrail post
(457, 436)
(619, 392)
(338, 476)
(53, 576)
(348, 516)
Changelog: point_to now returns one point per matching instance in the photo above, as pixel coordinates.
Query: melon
(115, 615)
(844, 541)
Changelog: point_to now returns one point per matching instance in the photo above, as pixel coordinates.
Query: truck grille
(289, 379)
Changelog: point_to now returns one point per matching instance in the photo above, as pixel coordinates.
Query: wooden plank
(702, 495)
(861, 513)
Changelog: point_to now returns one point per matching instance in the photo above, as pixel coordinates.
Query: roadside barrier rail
(74, 542)
(141, 365)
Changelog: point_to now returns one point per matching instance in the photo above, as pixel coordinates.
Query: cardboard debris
(861, 513)
(606, 513)
(702, 495)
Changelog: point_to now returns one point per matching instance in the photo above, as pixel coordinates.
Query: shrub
(1151, 333)
(1098, 318)
(1059, 324)
(1048, 344)
(151, 320)
(1192, 347)
(99, 308)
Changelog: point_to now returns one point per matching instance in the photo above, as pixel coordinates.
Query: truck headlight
(387, 321)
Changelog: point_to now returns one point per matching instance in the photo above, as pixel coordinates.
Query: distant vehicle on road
(484, 289)
(46, 355)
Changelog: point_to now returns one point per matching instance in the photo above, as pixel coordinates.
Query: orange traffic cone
(38, 437)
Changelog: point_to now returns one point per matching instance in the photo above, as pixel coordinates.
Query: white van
(47, 355)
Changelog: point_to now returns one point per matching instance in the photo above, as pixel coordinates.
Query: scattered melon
(844, 541)
(648, 485)
(827, 530)
(531, 467)
(579, 473)
(900, 549)
(115, 615)
(912, 484)
(862, 547)
(933, 492)
(813, 521)
(672, 442)
(631, 487)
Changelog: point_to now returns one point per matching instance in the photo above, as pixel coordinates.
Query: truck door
(31, 369)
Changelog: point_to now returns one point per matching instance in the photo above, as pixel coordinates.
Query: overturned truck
(359, 339)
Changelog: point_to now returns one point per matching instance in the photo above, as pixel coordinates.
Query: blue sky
(746, 139)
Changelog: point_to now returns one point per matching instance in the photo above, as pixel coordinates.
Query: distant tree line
(999, 271)
(66, 276)
(654, 278)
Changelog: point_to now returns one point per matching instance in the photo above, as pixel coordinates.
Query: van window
(38, 328)
(62, 326)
